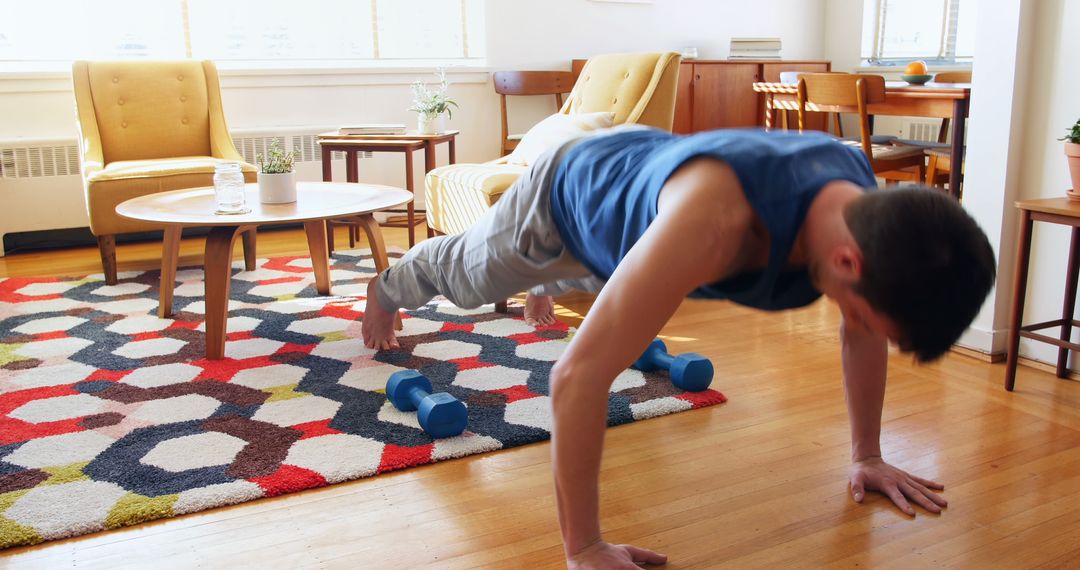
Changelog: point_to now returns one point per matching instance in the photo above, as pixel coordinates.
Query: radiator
(41, 188)
(922, 130)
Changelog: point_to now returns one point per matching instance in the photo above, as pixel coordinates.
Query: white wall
(1051, 106)
(1024, 82)
(522, 34)
(580, 28)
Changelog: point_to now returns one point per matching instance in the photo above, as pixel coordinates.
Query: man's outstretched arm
(865, 360)
(693, 238)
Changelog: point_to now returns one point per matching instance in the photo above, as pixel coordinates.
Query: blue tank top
(604, 195)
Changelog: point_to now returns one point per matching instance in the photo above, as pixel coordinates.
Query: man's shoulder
(707, 192)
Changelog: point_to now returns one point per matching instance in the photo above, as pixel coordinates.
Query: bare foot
(539, 310)
(377, 326)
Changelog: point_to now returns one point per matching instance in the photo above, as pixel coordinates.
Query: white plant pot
(277, 188)
(430, 125)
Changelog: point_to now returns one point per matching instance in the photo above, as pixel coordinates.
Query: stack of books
(755, 48)
(372, 129)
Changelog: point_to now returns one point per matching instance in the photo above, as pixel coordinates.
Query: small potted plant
(277, 179)
(1072, 150)
(431, 104)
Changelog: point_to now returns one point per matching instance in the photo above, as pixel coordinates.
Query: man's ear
(847, 263)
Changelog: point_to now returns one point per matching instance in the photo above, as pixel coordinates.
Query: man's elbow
(561, 381)
(574, 382)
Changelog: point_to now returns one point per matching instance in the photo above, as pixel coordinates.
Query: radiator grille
(42, 158)
(305, 144)
(923, 131)
(39, 159)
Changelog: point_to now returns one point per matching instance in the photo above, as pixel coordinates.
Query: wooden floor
(758, 482)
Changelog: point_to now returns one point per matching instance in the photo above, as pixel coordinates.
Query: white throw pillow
(555, 130)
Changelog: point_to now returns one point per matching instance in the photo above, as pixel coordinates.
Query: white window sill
(235, 74)
(899, 69)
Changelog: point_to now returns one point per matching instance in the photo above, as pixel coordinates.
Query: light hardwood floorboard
(759, 482)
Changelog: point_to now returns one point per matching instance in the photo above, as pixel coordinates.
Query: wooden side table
(1056, 211)
(406, 143)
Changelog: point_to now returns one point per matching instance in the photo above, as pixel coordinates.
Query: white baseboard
(984, 340)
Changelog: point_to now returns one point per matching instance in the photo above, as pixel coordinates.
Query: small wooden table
(405, 143)
(316, 202)
(1056, 211)
(939, 100)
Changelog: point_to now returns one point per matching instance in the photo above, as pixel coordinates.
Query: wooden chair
(838, 92)
(939, 162)
(949, 77)
(938, 167)
(528, 83)
(637, 88)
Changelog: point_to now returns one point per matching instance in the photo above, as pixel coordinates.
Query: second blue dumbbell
(691, 371)
(441, 415)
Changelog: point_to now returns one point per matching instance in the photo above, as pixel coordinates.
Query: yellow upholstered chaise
(147, 127)
(636, 87)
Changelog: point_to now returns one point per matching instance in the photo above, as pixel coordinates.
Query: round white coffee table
(316, 202)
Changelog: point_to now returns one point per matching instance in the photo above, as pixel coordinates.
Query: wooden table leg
(352, 172)
(327, 164)
(411, 208)
(170, 254)
(429, 156)
(1069, 303)
(378, 249)
(956, 149)
(329, 236)
(375, 240)
(452, 144)
(249, 249)
(328, 176)
(768, 111)
(320, 259)
(216, 266)
(1023, 253)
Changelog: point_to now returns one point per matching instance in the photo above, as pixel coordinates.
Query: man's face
(861, 317)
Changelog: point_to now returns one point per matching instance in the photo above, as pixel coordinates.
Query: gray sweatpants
(515, 246)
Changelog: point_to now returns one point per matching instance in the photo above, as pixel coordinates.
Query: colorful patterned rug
(110, 416)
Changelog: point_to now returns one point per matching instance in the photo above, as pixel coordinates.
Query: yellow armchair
(636, 87)
(147, 127)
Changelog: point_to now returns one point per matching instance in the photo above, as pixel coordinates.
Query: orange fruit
(915, 68)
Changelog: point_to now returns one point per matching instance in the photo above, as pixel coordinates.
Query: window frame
(946, 48)
(333, 63)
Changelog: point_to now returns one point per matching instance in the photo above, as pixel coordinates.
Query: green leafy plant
(276, 160)
(432, 103)
(1072, 134)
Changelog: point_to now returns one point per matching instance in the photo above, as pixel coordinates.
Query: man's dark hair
(926, 264)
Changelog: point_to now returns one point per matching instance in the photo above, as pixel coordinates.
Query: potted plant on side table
(1072, 150)
(431, 105)
(277, 179)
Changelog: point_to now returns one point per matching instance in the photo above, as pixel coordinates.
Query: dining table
(937, 100)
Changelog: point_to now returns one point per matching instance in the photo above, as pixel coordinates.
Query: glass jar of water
(229, 188)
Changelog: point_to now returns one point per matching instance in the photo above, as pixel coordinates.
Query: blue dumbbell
(691, 371)
(441, 415)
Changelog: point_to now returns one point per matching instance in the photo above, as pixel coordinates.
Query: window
(937, 31)
(260, 33)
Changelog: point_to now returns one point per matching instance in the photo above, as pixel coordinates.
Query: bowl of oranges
(915, 73)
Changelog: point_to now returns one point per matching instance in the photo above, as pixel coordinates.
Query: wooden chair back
(949, 77)
(529, 83)
(830, 91)
(953, 77)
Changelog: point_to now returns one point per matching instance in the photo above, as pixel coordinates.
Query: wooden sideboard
(718, 94)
